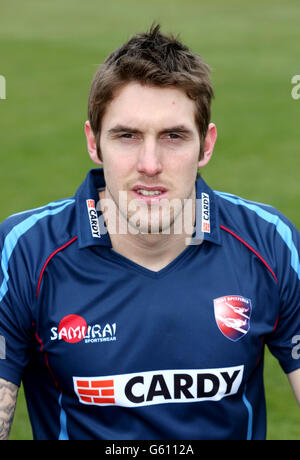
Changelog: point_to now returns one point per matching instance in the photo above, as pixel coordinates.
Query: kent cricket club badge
(232, 314)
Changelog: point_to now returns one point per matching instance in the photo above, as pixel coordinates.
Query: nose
(149, 160)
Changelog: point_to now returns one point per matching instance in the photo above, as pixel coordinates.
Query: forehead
(135, 104)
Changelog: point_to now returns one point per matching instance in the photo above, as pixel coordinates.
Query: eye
(127, 137)
(174, 137)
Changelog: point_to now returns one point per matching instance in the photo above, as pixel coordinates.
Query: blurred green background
(49, 52)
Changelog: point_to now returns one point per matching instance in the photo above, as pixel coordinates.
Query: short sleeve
(285, 337)
(16, 324)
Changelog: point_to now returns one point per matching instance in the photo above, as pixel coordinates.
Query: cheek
(189, 168)
(116, 173)
(188, 176)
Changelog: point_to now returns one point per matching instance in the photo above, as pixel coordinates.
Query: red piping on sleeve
(275, 326)
(48, 260)
(251, 249)
(46, 357)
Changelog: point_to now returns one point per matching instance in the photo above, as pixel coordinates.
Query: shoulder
(237, 207)
(22, 222)
(27, 237)
(262, 226)
(251, 217)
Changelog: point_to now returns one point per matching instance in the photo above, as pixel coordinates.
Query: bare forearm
(8, 398)
(294, 378)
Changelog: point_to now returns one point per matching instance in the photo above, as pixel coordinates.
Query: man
(139, 309)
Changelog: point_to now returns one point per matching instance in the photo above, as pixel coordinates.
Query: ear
(209, 143)
(91, 143)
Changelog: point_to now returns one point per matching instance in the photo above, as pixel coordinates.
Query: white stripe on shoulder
(282, 228)
(12, 238)
(53, 204)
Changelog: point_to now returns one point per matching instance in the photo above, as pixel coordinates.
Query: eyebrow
(172, 129)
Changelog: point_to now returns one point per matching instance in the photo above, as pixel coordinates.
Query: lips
(149, 194)
(155, 188)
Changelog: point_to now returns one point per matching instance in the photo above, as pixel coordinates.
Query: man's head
(149, 112)
(152, 59)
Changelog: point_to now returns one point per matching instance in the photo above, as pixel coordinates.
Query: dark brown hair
(152, 59)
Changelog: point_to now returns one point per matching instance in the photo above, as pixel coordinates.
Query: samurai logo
(232, 314)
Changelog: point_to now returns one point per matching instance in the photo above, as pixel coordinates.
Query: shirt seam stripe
(48, 260)
(281, 228)
(12, 239)
(63, 434)
(250, 415)
(251, 249)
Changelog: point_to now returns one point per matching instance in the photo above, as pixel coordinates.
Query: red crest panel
(232, 314)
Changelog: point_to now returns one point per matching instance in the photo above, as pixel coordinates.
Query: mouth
(149, 194)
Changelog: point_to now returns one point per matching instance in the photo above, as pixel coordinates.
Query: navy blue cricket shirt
(108, 349)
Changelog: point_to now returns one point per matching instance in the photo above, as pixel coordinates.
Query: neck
(152, 251)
